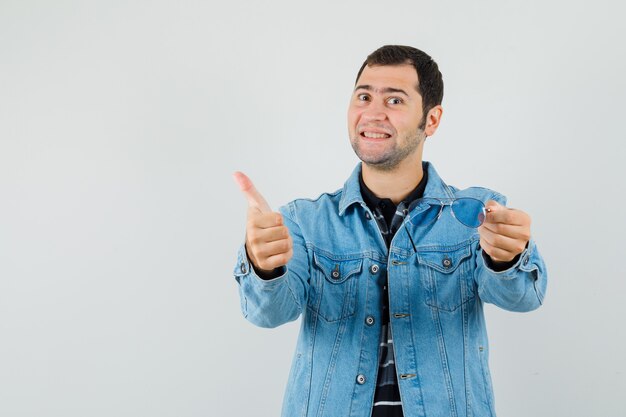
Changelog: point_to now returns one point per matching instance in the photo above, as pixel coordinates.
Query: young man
(390, 272)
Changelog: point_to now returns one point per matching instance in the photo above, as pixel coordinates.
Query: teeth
(375, 135)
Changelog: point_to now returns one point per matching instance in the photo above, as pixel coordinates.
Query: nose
(375, 111)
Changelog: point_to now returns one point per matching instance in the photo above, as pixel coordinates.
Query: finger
(279, 260)
(509, 230)
(497, 254)
(514, 246)
(497, 213)
(263, 220)
(277, 247)
(255, 199)
(270, 234)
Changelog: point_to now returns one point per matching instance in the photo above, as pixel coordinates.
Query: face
(384, 116)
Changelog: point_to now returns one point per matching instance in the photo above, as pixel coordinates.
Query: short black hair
(429, 79)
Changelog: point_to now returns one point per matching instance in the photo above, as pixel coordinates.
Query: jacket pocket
(447, 275)
(333, 291)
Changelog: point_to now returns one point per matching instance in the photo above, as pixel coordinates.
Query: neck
(395, 184)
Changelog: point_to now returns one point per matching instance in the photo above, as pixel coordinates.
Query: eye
(363, 97)
(394, 100)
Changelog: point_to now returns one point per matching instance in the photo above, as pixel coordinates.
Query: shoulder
(324, 203)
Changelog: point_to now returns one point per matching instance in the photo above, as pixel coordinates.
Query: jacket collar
(351, 193)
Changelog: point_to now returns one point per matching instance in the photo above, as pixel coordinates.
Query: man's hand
(268, 242)
(505, 232)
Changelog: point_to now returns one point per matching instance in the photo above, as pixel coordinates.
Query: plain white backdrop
(120, 126)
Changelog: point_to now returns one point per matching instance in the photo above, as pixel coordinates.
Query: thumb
(255, 199)
(493, 205)
(495, 211)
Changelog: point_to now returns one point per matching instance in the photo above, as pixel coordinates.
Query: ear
(432, 120)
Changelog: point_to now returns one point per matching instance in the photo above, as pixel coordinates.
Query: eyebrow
(381, 90)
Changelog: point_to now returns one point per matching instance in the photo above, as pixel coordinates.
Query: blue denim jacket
(438, 281)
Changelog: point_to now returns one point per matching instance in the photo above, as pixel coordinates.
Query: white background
(120, 126)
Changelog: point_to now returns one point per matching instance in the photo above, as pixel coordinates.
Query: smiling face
(385, 116)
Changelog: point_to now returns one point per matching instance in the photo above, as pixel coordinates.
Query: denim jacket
(438, 280)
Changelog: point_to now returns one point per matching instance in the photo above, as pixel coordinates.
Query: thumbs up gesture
(505, 232)
(268, 243)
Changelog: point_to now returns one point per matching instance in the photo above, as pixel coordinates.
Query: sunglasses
(470, 212)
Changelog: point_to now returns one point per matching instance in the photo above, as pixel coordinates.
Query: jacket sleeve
(270, 303)
(521, 287)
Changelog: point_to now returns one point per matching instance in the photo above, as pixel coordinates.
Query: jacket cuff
(244, 269)
(499, 266)
(521, 261)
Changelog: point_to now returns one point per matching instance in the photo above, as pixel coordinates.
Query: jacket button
(369, 320)
(367, 215)
(374, 269)
(335, 274)
(243, 268)
(360, 379)
(526, 261)
(446, 263)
